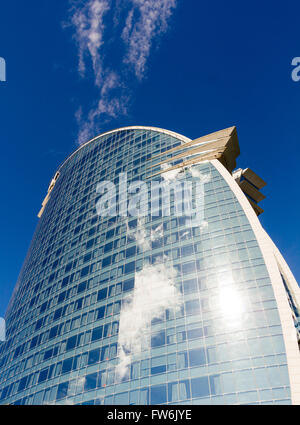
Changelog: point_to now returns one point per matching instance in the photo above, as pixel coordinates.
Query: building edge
(273, 260)
(182, 138)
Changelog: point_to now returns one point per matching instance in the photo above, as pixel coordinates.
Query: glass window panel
(200, 387)
(158, 394)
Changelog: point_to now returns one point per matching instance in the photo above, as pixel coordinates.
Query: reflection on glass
(231, 304)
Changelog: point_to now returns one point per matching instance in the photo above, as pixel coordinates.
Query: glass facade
(188, 316)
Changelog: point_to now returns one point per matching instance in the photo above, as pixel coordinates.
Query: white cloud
(87, 19)
(157, 233)
(106, 106)
(139, 234)
(143, 236)
(91, 23)
(152, 21)
(196, 173)
(169, 175)
(154, 292)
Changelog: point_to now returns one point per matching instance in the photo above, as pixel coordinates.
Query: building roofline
(135, 127)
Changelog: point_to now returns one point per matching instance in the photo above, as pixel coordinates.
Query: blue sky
(75, 69)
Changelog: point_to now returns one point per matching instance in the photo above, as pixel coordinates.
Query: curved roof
(161, 130)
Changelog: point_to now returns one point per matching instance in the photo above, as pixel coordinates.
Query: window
(197, 357)
(90, 382)
(94, 356)
(62, 390)
(97, 333)
(159, 394)
(200, 387)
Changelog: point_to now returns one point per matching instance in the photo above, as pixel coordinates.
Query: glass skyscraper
(150, 280)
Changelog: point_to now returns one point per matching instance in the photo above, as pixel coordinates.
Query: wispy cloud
(154, 293)
(99, 24)
(87, 19)
(138, 33)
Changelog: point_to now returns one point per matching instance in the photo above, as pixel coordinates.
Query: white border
(269, 253)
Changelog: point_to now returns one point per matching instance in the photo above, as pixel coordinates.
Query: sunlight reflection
(231, 303)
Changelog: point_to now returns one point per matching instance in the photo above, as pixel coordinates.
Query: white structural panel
(273, 261)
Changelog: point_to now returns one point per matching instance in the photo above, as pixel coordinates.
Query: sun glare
(231, 303)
